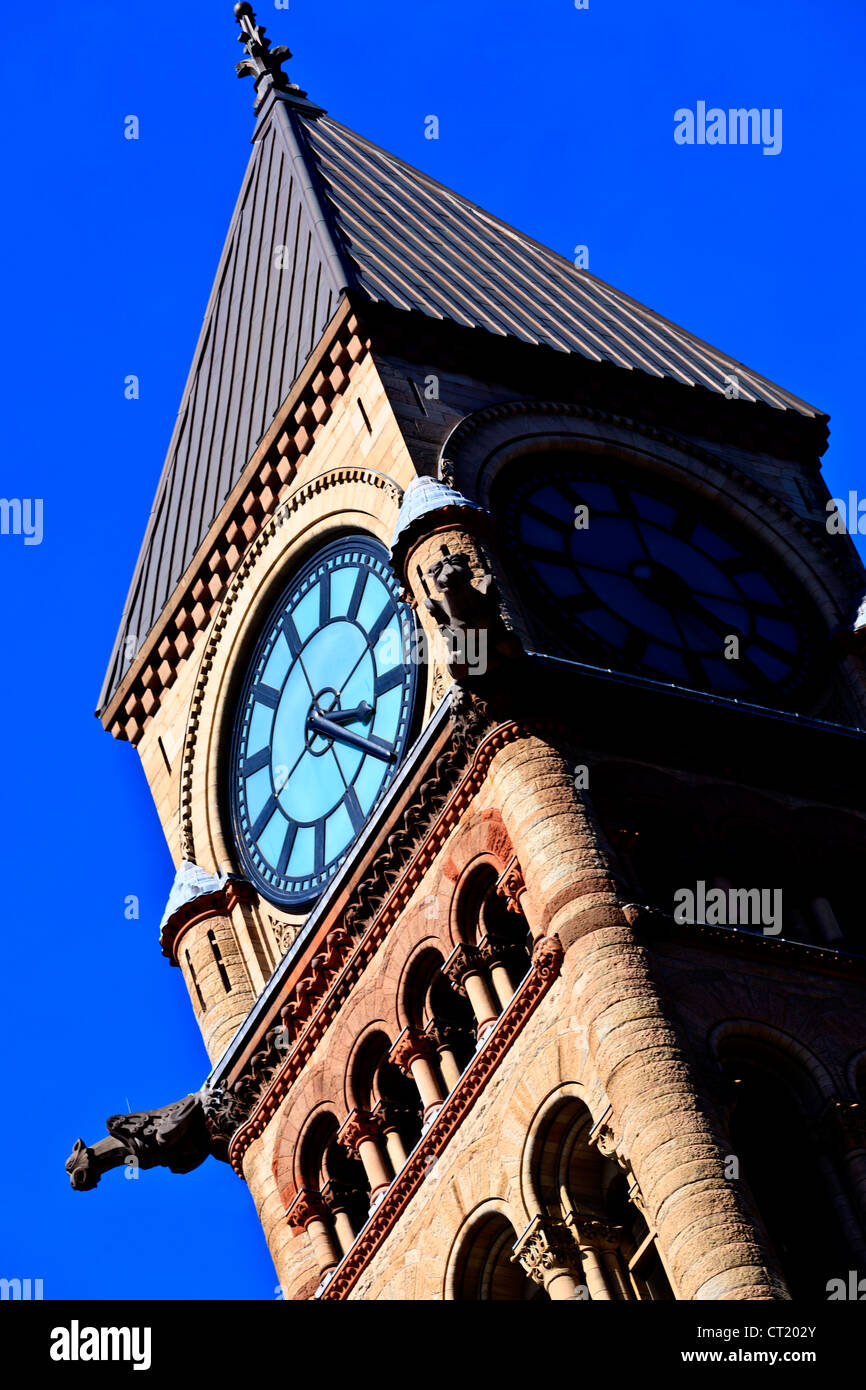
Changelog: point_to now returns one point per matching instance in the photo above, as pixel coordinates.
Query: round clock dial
(655, 582)
(323, 721)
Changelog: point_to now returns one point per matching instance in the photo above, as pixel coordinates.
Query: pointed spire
(262, 63)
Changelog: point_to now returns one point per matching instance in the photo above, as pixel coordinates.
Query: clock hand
(320, 725)
(345, 716)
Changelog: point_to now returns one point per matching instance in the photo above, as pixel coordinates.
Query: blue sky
(558, 120)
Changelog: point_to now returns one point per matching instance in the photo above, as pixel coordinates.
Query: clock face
(654, 581)
(323, 721)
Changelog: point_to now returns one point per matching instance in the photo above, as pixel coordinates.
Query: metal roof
(418, 245)
(348, 215)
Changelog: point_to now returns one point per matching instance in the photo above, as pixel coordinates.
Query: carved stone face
(450, 573)
(78, 1168)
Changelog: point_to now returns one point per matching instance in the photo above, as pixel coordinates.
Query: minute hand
(321, 725)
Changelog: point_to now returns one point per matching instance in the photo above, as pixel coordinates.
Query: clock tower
(501, 691)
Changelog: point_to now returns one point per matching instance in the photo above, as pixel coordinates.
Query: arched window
(794, 1183)
(486, 1268)
(434, 1006)
(494, 949)
(585, 1195)
(333, 1183)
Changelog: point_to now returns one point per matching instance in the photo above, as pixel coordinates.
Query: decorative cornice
(253, 500)
(396, 876)
(547, 963)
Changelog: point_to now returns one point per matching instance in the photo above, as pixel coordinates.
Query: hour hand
(377, 748)
(345, 716)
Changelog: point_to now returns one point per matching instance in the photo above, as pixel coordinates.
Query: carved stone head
(451, 573)
(78, 1165)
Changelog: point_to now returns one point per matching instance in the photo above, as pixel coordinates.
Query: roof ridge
(521, 237)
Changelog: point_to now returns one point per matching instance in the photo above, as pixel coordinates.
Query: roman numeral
(290, 633)
(388, 680)
(264, 816)
(256, 762)
(771, 648)
(379, 625)
(266, 695)
(286, 851)
(353, 806)
(355, 602)
(319, 853)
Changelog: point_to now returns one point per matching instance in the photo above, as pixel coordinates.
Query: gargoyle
(469, 617)
(179, 1137)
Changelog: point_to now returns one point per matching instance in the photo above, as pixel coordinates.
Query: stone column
(465, 969)
(709, 1234)
(605, 1241)
(338, 1197)
(413, 1053)
(440, 1035)
(388, 1114)
(594, 1275)
(495, 955)
(309, 1212)
(360, 1134)
(548, 1254)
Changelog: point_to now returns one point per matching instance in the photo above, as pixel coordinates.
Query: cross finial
(262, 61)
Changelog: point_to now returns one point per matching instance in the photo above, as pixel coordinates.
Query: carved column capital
(306, 1206)
(594, 1232)
(511, 885)
(464, 960)
(392, 1114)
(443, 1034)
(410, 1045)
(358, 1126)
(341, 1196)
(495, 952)
(547, 1248)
